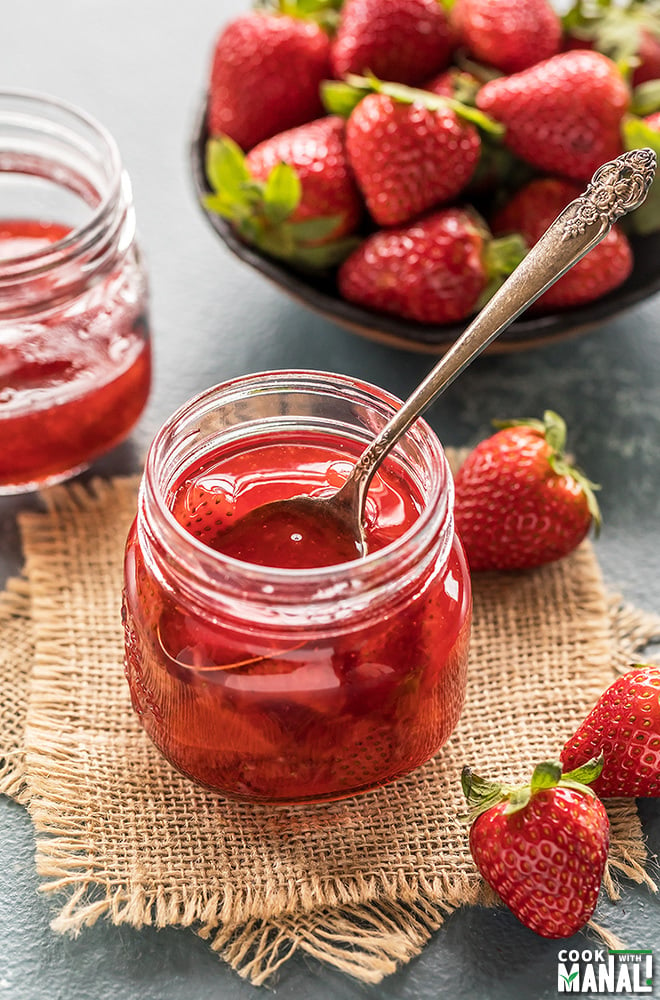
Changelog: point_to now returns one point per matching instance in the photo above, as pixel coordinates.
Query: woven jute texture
(361, 883)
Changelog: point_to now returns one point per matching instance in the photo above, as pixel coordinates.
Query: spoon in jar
(616, 188)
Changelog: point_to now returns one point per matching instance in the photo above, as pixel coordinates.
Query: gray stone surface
(140, 69)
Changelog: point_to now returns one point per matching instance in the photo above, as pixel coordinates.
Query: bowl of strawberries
(388, 163)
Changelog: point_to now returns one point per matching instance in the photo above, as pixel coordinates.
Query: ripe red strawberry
(542, 847)
(519, 504)
(509, 36)
(562, 115)
(433, 271)
(401, 40)
(317, 153)
(407, 158)
(624, 726)
(530, 212)
(265, 76)
(293, 195)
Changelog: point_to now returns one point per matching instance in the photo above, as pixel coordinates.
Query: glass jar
(75, 364)
(276, 684)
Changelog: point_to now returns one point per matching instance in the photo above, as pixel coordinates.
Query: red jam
(74, 375)
(304, 711)
(225, 502)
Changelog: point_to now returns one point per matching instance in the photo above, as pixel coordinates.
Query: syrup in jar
(275, 664)
(75, 363)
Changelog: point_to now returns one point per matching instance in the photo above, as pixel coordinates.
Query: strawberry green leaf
(546, 775)
(313, 230)
(555, 431)
(586, 773)
(324, 257)
(646, 98)
(434, 102)
(341, 98)
(481, 794)
(518, 798)
(281, 193)
(637, 134)
(225, 166)
(221, 205)
(501, 257)
(323, 12)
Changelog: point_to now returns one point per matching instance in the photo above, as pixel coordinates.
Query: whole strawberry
(433, 271)
(293, 196)
(530, 212)
(265, 76)
(542, 847)
(401, 40)
(407, 158)
(316, 151)
(562, 115)
(509, 36)
(623, 726)
(519, 504)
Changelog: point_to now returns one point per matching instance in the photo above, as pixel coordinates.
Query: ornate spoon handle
(616, 188)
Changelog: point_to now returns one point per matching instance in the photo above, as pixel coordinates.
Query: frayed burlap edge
(371, 941)
(15, 667)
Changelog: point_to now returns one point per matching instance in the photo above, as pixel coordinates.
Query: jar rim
(436, 514)
(85, 233)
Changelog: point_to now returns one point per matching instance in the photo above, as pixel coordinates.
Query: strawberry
(401, 40)
(519, 504)
(316, 152)
(407, 158)
(434, 271)
(562, 115)
(265, 76)
(409, 149)
(293, 196)
(509, 36)
(542, 847)
(531, 211)
(624, 726)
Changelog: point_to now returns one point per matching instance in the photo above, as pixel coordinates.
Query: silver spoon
(616, 188)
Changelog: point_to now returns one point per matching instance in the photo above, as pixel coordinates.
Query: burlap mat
(360, 884)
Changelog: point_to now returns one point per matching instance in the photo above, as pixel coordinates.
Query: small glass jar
(283, 685)
(75, 363)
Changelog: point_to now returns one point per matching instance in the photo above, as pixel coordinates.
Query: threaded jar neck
(59, 165)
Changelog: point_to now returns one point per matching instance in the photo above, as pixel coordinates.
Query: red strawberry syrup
(308, 711)
(75, 375)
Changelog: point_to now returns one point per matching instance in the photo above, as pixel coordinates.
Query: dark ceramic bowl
(320, 293)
